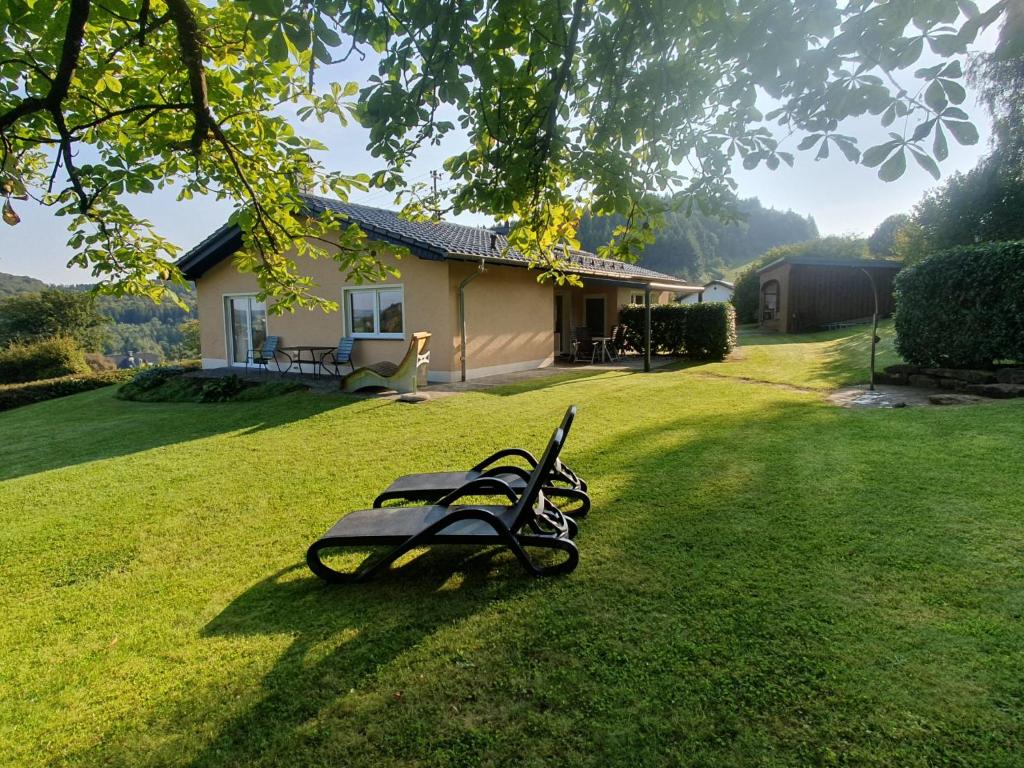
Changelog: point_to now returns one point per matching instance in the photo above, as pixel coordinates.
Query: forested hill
(136, 323)
(701, 247)
(12, 285)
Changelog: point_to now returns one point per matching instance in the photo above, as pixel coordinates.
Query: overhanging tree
(566, 106)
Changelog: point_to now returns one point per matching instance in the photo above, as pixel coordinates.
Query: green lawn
(765, 580)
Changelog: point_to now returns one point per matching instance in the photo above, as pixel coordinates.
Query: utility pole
(434, 175)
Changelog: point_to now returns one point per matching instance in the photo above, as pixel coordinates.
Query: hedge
(703, 331)
(15, 395)
(167, 384)
(962, 308)
(47, 359)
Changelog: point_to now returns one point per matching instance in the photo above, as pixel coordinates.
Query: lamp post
(874, 327)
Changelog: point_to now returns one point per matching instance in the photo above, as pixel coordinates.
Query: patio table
(315, 354)
(602, 345)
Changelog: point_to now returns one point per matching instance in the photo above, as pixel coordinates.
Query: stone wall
(1000, 383)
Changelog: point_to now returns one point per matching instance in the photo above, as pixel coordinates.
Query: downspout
(480, 269)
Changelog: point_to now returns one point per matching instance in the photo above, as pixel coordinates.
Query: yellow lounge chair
(402, 377)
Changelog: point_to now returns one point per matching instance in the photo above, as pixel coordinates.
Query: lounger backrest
(565, 426)
(525, 505)
(343, 354)
(269, 346)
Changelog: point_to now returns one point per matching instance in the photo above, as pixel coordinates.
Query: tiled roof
(429, 240)
(453, 240)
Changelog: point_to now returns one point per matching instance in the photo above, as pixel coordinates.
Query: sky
(842, 197)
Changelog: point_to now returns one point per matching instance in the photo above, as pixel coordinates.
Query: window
(770, 300)
(247, 327)
(636, 298)
(375, 312)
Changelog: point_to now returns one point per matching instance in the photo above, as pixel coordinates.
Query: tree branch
(190, 41)
(61, 82)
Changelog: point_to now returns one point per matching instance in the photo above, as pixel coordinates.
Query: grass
(821, 361)
(765, 580)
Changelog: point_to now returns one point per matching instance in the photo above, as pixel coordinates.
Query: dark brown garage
(799, 295)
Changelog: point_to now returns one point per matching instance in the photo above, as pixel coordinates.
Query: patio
(329, 384)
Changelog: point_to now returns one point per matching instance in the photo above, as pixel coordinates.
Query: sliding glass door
(247, 327)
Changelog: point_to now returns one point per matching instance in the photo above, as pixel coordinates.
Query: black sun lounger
(525, 522)
(561, 483)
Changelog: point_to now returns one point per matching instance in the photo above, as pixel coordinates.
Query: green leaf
(965, 133)
(278, 47)
(809, 141)
(926, 162)
(875, 155)
(935, 96)
(939, 147)
(954, 91)
(894, 167)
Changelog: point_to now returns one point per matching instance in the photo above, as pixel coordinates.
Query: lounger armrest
(507, 469)
(520, 452)
(481, 486)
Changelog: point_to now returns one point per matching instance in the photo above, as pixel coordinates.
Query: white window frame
(229, 337)
(346, 317)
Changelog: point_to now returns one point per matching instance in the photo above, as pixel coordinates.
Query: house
(803, 294)
(715, 290)
(485, 309)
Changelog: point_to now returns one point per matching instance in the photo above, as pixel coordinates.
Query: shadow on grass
(848, 359)
(733, 601)
(96, 425)
(366, 627)
(342, 636)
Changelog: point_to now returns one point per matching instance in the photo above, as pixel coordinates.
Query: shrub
(15, 395)
(98, 362)
(704, 331)
(166, 384)
(709, 330)
(47, 359)
(52, 312)
(962, 308)
(746, 294)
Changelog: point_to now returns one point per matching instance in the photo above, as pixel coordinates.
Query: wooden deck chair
(560, 486)
(402, 377)
(525, 522)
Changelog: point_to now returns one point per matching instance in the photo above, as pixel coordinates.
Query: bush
(15, 395)
(47, 359)
(33, 317)
(98, 362)
(166, 384)
(746, 294)
(962, 308)
(703, 331)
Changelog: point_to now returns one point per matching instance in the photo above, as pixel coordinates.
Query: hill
(136, 323)
(701, 247)
(12, 285)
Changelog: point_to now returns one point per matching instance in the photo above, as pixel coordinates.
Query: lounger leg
(516, 544)
(572, 494)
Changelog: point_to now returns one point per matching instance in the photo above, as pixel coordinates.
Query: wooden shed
(799, 294)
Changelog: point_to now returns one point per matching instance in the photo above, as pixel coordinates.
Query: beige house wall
(615, 298)
(424, 285)
(509, 319)
(509, 315)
